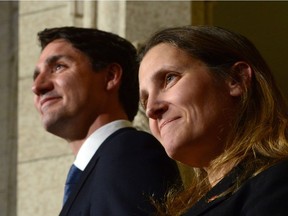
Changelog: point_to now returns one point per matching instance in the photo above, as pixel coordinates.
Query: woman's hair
(258, 137)
(103, 48)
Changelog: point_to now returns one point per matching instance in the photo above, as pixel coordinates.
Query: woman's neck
(216, 174)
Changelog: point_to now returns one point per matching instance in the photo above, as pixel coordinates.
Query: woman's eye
(170, 78)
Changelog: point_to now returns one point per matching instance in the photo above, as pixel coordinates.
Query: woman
(213, 104)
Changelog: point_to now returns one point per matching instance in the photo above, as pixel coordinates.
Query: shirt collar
(93, 142)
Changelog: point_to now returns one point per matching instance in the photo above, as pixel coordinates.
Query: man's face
(189, 111)
(68, 93)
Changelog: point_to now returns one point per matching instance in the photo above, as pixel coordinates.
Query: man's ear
(240, 78)
(113, 77)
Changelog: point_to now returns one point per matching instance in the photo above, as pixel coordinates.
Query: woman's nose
(42, 84)
(155, 110)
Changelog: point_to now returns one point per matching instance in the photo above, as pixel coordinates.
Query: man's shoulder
(137, 151)
(133, 144)
(129, 135)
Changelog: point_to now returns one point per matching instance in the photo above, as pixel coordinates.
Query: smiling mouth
(167, 122)
(44, 101)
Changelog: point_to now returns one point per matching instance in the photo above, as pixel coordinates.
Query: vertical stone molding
(136, 20)
(77, 11)
(83, 13)
(111, 16)
(8, 108)
(89, 14)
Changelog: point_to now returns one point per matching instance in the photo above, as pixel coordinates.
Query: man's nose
(42, 84)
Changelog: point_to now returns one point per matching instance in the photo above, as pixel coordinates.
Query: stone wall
(8, 108)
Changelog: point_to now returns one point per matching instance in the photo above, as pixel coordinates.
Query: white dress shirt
(94, 141)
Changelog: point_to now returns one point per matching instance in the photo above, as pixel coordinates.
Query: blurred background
(33, 163)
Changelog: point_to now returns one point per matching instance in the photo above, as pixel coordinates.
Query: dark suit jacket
(263, 195)
(128, 168)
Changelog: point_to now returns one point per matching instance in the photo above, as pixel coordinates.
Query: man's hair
(103, 48)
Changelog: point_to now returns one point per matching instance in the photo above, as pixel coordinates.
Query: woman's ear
(240, 79)
(114, 75)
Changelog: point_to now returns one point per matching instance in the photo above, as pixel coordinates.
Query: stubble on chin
(50, 121)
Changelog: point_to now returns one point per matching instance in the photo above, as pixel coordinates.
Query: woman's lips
(167, 122)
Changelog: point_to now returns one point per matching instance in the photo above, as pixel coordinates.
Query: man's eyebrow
(52, 59)
(49, 61)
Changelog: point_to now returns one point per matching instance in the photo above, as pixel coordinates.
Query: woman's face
(189, 110)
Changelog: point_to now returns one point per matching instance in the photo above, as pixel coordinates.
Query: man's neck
(102, 120)
(76, 145)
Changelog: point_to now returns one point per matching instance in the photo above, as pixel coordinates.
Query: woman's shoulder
(271, 180)
(277, 170)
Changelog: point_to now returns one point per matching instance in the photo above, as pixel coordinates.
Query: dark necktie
(72, 178)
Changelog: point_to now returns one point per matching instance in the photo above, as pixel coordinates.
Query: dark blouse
(263, 195)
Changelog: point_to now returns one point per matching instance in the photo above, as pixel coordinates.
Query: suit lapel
(86, 173)
(88, 170)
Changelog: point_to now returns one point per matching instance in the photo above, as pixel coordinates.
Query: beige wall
(8, 107)
(43, 159)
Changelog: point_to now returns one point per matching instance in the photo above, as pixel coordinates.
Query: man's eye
(58, 67)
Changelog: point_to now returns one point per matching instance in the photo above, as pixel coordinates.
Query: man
(86, 91)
